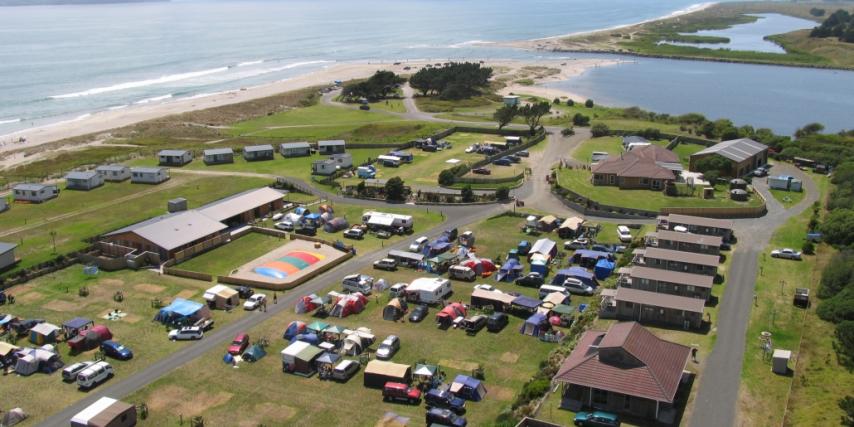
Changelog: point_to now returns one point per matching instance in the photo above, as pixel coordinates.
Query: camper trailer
(386, 220)
(430, 290)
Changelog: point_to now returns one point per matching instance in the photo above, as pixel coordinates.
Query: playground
(288, 263)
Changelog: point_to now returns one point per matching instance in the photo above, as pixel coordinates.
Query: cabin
(323, 167)
(337, 146)
(686, 262)
(83, 180)
(218, 156)
(174, 157)
(148, 175)
(666, 282)
(511, 100)
(114, 173)
(7, 255)
(34, 193)
(295, 149)
(254, 153)
(697, 225)
(4, 205)
(659, 309)
(686, 242)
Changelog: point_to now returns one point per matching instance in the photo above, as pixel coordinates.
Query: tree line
(456, 80)
(378, 86)
(839, 24)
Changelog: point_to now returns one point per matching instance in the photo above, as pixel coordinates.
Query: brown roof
(682, 256)
(676, 277)
(642, 162)
(652, 371)
(656, 299)
(698, 220)
(699, 239)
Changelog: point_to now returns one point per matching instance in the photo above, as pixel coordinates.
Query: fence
(196, 249)
(172, 271)
(671, 136)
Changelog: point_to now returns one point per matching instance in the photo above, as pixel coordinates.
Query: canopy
(328, 358)
(563, 309)
(254, 353)
(76, 323)
(317, 326)
(422, 370)
(526, 302)
(334, 330)
(182, 307)
(221, 291)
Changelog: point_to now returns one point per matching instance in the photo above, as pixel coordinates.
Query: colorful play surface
(291, 263)
(288, 262)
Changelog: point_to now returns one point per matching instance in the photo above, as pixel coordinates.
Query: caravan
(389, 161)
(428, 290)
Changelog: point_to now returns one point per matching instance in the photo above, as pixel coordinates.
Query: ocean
(60, 63)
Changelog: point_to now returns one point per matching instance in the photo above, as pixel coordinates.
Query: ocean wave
(141, 83)
(153, 99)
(262, 71)
(117, 107)
(248, 63)
(9, 121)
(469, 43)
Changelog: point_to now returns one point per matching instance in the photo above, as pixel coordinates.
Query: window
(600, 396)
(689, 288)
(644, 181)
(612, 179)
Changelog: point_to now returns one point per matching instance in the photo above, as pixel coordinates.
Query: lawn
(55, 298)
(685, 150)
(389, 105)
(787, 198)
(224, 259)
(610, 144)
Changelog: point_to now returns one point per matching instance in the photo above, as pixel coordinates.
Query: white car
(94, 375)
(285, 226)
(186, 333)
(489, 288)
(575, 286)
(418, 245)
(255, 301)
(387, 264)
(580, 243)
(278, 216)
(786, 253)
(70, 372)
(471, 149)
(624, 233)
(388, 347)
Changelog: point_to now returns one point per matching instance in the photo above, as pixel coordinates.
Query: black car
(532, 279)
(496, 322)
(419, 313)
(522, 153)
(452, 234)
(365, 107)
(514, 159)
(306, 231)
(474, 324)
(481, 171)
(445, 417)
(244, 292)
(2, 298)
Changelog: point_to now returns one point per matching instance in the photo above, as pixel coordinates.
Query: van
(496, 322)
(474, 324)
(547, 289)
(461, 272)
(418, 245)
(345, 370)
(358, 283)
(94, 375)
(397, 290)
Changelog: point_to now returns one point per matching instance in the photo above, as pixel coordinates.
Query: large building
(650, 167)
(744, 155)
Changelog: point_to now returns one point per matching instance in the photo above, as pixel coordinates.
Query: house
(744, 155)
(106, 412)
(659, 309)
(687, 242)
(511, 100)
(174, 157)
(295, 149)
(35, 193)
(687, 262)
(647, 167)
(167, 234)
(666, 282)
(83, 180)
(7, 255)
(697, 225)
(244, 207)
(626, 370)
(221, 297)
(218, 156)
(258, 152)
(337, 146)
(148, 175)
(299, 357)
(114, 173)
(378, 372)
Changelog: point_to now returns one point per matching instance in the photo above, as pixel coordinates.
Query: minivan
(94, 375)
(575, 286)
(436, 398)
(474, 324)
(496, 322)
(547, 289)
(418, 245)
(461, 272)
(345, 370)
(358, 283)
(388, 264)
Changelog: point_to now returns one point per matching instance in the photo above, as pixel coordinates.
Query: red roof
(642, 162)
(627, 359)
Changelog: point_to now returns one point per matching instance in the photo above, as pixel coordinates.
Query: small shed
(177, 204)
(35, 193)
(468, 388)
(295, 149)
(83, 180)
(379, 372)
(221, 297)
(218, 156)
(780, 361)
(106, 412)
(44, 333)
(114, 172)
(299, 357)
(148, 175)
(253, 153)
(511, 100)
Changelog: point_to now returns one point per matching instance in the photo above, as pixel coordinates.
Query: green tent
(317, 327)
(254, 353)
(563, 309)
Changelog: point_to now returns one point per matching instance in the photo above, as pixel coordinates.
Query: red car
(241, 341)
(481, 171)
(401, 392)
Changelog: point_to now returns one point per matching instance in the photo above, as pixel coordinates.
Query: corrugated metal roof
(681, 256)
(236, 204)
(289, 145)
(174, 230)
(6, 247)
(31, 187)
(675, 302)
(698, 221)
(256, 148)
(699, 239)
(111, 168)
(218, 151)
(331, 143)
(675, 277)
(146, 170)
(81, 175)
(736, 150)
(172, 152)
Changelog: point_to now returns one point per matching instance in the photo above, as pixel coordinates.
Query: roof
(429, 284)
(146, 170)
(220, 291)
(572, 223)
(675, 302)
(100, 413)
(633, 138)
(81, 175)
(172, 152)
(301, 350)
(216, 151)
(183, 307)
(174, 230)
(45, 328)
(527, 302)
(650, 161)
(543, 246)
(386, 368)
(677, 277)
(737, 150)
(652, 369)
(698, 221)
(31, 187)
(236, 204)
(6, 247)
(113, 167)
(698, 239)
(493, 296)
(687, 257)
(288, 145)
(77, 323)
(255, 148)
(330, 142)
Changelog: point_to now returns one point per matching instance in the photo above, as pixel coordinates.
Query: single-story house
(657, 308)
(687, 242)
(626, 370)
(295, 149)
(378, 372)
(259, 152)
(35, 193)
(218, 156)
(245, 206)
(744, 155)
(299, 358)
(221, 297)
(83, 180)
(174, 157)
(686, 262)
(7, 255)
(182, 312)
(167, 234)
(666, 282)
(148, 175)
(337, 146)
(649, 167)
(106, 412)
(115, 172)
(697, 225)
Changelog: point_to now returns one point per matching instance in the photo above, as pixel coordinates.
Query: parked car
(481, 171)
(485, 287)
(277, 216)
(514, 159)
(69, 373)
(255, 301)
(419, 313)
(532, 279)
(471, 149)
(760, 171)
(497, 321)
(523, 153)
(401, 392)
(388, 347)
(575, 286)
(435, 398)
(285, 226)
(418, 245)
(186, 333)
(355, 233)
(474, 324)
(596, 419)
(245, 292)
(116, 350)
(461, 272)
(387, 264)
(93, 375)
(383, 234)
(306, 231)
(624, 233)
(358, 283)
(502, 162)
(580, 243)
(602, 248)
(365, 107)
(239, 344)
(445, 417)
(345, 370)
(786, 253)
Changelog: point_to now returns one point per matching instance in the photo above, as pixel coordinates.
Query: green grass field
(224, 259)
(787, 198)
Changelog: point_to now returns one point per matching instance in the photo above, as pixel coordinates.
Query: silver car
(388, 347)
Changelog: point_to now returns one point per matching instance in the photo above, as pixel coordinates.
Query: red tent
(90, 338)
(349, 304)
(306, 304)
(449, 313)
(554, 320)
(481, 266)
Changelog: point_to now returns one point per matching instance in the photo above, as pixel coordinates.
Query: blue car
(444, 399)
(116, 350)
(502, 162)
(597, 419)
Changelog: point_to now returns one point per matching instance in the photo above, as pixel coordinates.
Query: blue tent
(524, 247)
(181, 311)
(309, 338)
(468, 388)
(294, 328)
(604, 268)
(312, 219)
(526, 303)
(535, 325)
(582, 274)
(228, 358)
(437, 246)
(588, 258)
(301, 211)
(509, 271)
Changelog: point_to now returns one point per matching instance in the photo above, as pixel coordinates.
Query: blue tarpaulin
(603, 269)
(179, 309)
(509, 270)
(588, 258)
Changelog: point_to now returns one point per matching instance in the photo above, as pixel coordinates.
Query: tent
(525, 303)
(437, 246)
(587, 258)
(570, 227)
(563, 309)
(221, 297)
(468, 388)
(546, 247)
(425, 373)
(74, 326)
(547, 223)
(309, 338)
(451, 311)
(535, 325)
(603, 268)
(298, 358)
(378, 372)
(42, 359)
(332, 333)
(182, 312)
(509, 271)
(327, 359)
(7, 353)
(555, 298)
(13, 417)
(308, 303)
(524, 247)
(482, 266)
(313, 219)
(317, 326)
(336, 224)
(394, 309)
(348, 304)
(294, 328)
(539, 265)
(44, 333)
(354, 344)
(90, 339)
(325, 209)
(254, 353)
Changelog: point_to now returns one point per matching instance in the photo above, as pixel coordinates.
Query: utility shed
(35, 193)
(337, 146)
(106, 412)
(780, 364)
(174, 157)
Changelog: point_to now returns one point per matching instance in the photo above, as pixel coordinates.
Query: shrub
(567, 131)
(467, 194)
(556, 101)
(502, 193)
(600, 129)
(446, 177)
(838, 308)
(588, 103)
(808, 248)
(570, 103)
(580, 120)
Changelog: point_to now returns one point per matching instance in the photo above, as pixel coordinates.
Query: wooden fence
(172, 271)
(199, 248)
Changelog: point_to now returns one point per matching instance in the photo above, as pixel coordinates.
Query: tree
(810, 129)
(817, 12)
(838, 227)
(533, 113)
(712, 176)
(467, 194)
(847, 405)
(505, 115)
(502, 193)
(599, 130)
(394, 189)
(457, 80)
(447, 177)
(556, 101)
(837, 274)
(570, 103)
(808, 248)
(378, 86)
(580, 120)
(588, 103)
